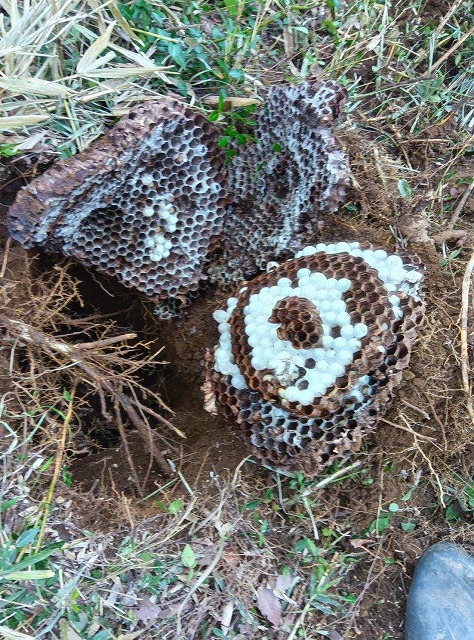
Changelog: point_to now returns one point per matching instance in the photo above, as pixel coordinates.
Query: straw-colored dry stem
(466, 285)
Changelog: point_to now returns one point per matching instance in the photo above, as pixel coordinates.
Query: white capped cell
(342, 247)
(291, 394)
(330, 318)
(223, 327)
(220, 315)
(306, 397)
(345, 357)
(337, 369)
(343, 319)
(147, 179)
(303, 273)
(343, 285)
(347, 331)
(394, 263)
(327, 341)
(413, 277)
(339, 343)
(258, 363)
(238, 381)
(360, 330)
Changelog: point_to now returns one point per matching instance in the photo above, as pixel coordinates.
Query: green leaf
(380, 524)
(408, 527)
(37, 557)
(231, 6)
(8, 150)
(67, 478)
(223, 141)
(46, 464)
(67, 395)
(393, 507)
(188, 557)
(30, 575)
(404, 188)
(451, 514)
(175, 506)
(253, 504)
(103, 635)
(27, 537)
(312, 548)
(9, 503)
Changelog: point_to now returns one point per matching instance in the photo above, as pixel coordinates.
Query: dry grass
(69, 66)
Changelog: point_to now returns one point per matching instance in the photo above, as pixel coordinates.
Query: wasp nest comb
(280, 184)
(310, 352)
(144, 203)
(151, 204)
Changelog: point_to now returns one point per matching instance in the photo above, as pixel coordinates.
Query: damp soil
(425, 428)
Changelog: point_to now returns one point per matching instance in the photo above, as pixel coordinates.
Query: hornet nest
(309, 353)
(151, 202)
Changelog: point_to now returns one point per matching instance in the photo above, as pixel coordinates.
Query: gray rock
(441, 598)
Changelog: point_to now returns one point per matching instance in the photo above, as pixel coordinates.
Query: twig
(123, 435)
(145, 432)
(57, 469)
(461, 204)
(466, 284)
(324, 482)
(438, 420)
(5, 258)
(98, 344)
(452, 50)
(160, 418)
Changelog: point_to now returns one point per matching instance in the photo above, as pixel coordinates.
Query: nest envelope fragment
(310, 353)
(145, 203)
(152, 204)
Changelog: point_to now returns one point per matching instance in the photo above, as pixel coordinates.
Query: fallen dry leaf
(148, 610)
(269, 605)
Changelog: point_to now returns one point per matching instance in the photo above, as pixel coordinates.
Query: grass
(181, 562)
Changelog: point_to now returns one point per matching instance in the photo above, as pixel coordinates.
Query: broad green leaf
(175, 506)
(40, 574)
(27, 537)
(188, 557)
(9, 503)
(404, 188)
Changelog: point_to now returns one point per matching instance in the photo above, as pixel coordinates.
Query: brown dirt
(423, 439)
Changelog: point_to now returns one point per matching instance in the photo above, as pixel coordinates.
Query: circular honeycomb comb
(310, 352)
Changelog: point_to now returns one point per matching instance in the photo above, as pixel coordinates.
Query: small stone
(441, 598)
